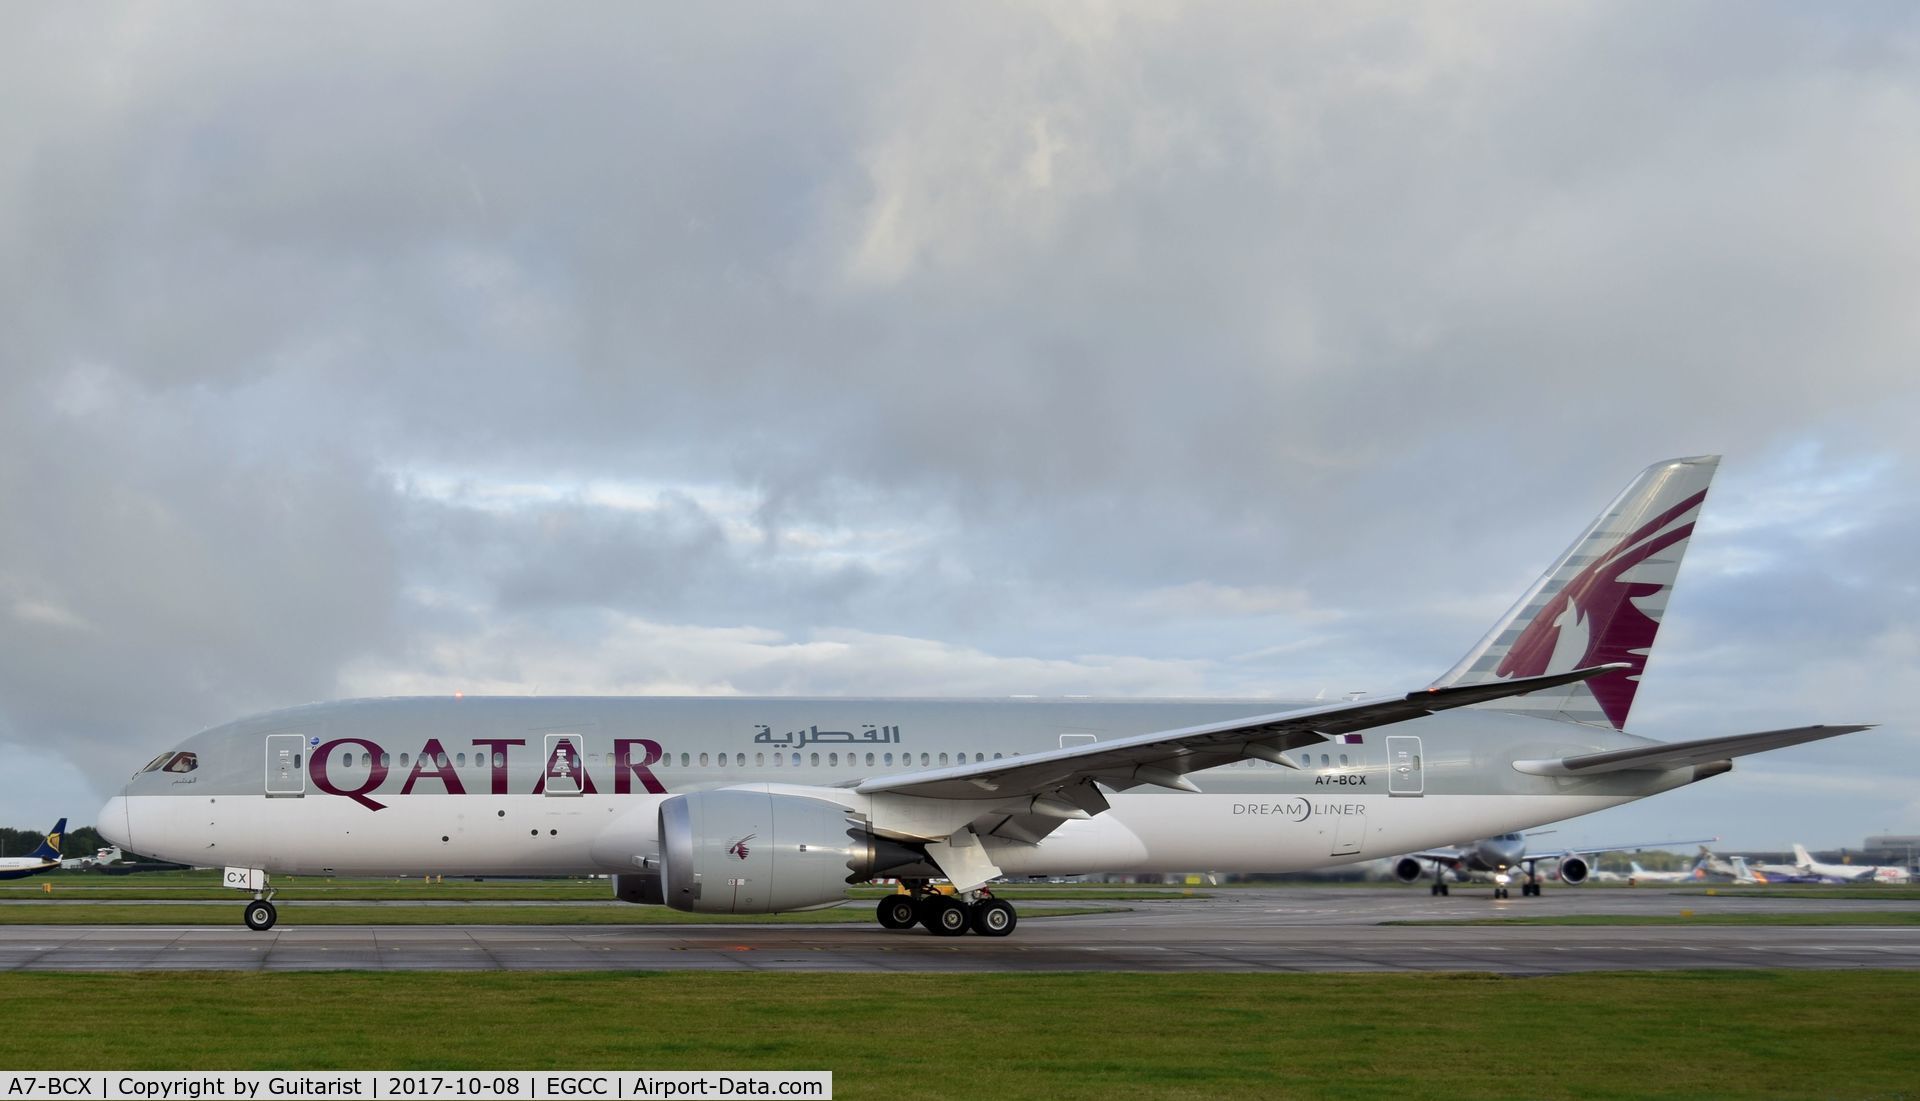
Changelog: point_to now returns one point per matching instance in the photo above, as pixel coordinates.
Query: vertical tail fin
(50, 848)
(1801, 856)
(1601, 602)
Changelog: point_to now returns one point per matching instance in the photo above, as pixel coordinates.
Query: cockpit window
(154, 765)
(183, 762)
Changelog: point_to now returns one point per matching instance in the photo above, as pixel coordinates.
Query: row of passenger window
(721, 760)
(739, 760)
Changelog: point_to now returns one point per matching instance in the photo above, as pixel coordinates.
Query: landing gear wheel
(896, 912)
(261, 915)
(1500, 892)
(993, 918)
(945, 916)
(1443, 891)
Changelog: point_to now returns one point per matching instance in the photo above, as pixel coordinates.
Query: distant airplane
(41, 859)
(1695, 874)
(1848, 873)
(740, 805)
(1773, 875)
(1504, 859)
(100, 856)
(1713, 864)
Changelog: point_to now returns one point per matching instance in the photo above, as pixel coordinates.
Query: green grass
(1795, 891)
(1748, 1034)
(133, 913)
(1826, 917)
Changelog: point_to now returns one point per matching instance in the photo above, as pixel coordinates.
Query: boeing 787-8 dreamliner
(743, 805)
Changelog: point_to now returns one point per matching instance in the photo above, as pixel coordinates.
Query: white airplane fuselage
(462, 786)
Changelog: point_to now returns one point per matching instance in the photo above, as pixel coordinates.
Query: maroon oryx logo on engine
(739, 848)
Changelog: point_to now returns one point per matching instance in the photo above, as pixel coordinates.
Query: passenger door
(286, 765)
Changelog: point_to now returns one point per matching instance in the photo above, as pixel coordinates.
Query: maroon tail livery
(1601, 603)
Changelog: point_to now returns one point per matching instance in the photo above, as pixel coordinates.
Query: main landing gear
(948, 915)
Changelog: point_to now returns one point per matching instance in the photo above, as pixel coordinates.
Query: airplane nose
(115, 823)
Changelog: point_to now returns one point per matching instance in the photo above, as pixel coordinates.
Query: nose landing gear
(261, 915)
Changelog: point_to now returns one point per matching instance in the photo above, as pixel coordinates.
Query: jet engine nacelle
(1574, 870)
(1408, 869)
(739, 851)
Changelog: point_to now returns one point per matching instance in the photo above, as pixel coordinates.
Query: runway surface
(1289, 929)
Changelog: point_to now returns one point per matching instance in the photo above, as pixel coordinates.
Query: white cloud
(1130, 350)
(624, 655)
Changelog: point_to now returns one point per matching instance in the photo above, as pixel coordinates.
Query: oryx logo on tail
(1600, 603)
(1594, 620)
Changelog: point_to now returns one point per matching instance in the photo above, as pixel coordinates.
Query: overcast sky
(1217, 350)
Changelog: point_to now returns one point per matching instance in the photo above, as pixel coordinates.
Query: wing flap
(1678, 754)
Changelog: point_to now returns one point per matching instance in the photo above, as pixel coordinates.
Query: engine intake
(1407, 869)
(1574, 870)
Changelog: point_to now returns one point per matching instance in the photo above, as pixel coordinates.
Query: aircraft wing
(1676, 754)
(1060, 783)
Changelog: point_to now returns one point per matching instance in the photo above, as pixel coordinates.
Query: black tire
(1443, 889)
(945, 916)
(261, 915)
(993, 918)
(897, 912)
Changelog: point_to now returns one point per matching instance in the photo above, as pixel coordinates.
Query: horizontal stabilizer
(1679, 754)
